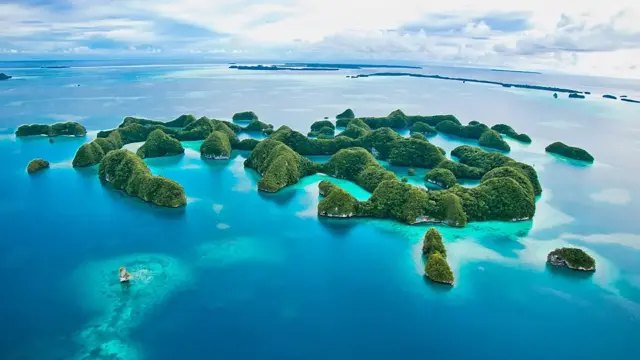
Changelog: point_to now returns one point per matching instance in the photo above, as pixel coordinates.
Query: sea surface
(239, 274)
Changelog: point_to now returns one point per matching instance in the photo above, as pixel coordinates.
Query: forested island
(490, 82)
(570, 152)
(436, 269)
(280, 67)
(4, 76)
(572, 258)
(58, 129)
(36, 165)
(318, 67)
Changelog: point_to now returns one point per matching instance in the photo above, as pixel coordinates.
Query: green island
(438, 270)
(159, 144)
(322, 129)
(570, 152)
(508, 131)
(58, 129)
(36, 165)
(245, 116)
(126, 171)
(572, 258)
(441, 176)
(4, 76)
(492, 139)
(432, 242)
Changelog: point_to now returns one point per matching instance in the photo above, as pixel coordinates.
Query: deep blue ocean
(239, 274)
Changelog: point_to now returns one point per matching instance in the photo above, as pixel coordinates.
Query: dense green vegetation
(396, 200)
(570, 152)
(326, 132)
(278, 164)
(356, 128)
(216, 146)
(413, 152)
(411, 172)
(336, 201)
(510, 172)
(441, 177)
(438, 270)
(126, 171)
(257, 125)
(508, 131)
(487, 161)
(245, 116)
(359, 166)
(347, 114)
(573, 258)
(432, 242)
(493, 140)
(58, 129)
(472, 131)
(316, 126)
(92, 153)
(461, 171)
(37, 165)
(423, 128)
(246, 144)
(159, 144)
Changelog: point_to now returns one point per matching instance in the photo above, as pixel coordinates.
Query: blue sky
(589, 36)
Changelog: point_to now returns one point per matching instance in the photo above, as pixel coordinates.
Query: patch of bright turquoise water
(244, 275)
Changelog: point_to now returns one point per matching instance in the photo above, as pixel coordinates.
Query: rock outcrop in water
(570, 152)
(576, 96)
(216, 146)
(36, 165)
(572, 258)
(127, 172)
(160, 144)
(438, 270)
(58, 129)
(4, 76)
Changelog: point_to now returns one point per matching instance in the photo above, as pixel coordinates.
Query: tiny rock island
(4, 76)
(36, 165)
(572, 258)
(570, 152)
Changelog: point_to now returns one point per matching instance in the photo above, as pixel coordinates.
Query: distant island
(490, 82)
(576, 96)
(607, 96)
(570, 152)
(317, 67)
(58, 129)
(280, 67)
(4, 76)
(55, 67)
(629, 100)
(517, 71)
(572, 258)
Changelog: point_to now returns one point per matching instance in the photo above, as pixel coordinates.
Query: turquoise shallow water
(242, 275)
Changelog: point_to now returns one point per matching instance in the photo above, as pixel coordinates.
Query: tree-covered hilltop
(92, 153)
(357, 165)
(508, 131)
(322, 129)
(257, 126)
(461, 171)
(487, 161)
(492, 139)
(278, 164)
(246, 144)
(216, 146)
(441, 177)
(245, 116)
(423, 128)
(438, 270)
(126, 171)
(58, 129)
(432, 242)
(336, 202)
(472, 131)
(179, 122)
(36, 165)
(414, 152)
(572, 258)
(316, 126)
(347, 114)
(570, 152)
(159, 144)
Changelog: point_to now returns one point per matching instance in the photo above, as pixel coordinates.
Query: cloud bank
(590, 36)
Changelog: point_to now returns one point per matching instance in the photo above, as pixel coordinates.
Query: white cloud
(591, 36)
